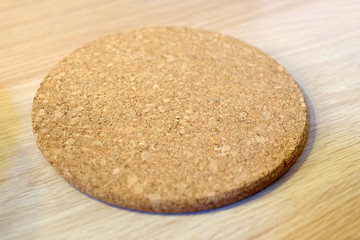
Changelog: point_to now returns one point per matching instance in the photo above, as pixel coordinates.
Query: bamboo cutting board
(316, 41)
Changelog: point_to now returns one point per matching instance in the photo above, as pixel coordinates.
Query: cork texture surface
(169, 119)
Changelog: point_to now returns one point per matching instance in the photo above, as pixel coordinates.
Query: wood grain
(318, 42)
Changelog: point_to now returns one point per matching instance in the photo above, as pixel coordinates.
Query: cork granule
(169, 119)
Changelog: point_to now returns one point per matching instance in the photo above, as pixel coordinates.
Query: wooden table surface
(318, 42)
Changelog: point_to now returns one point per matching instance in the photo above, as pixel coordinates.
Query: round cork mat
(169, 119)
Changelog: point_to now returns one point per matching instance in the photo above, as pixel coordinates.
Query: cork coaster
(169, 119)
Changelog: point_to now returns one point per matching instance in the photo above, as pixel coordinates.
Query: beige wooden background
(317, 41)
